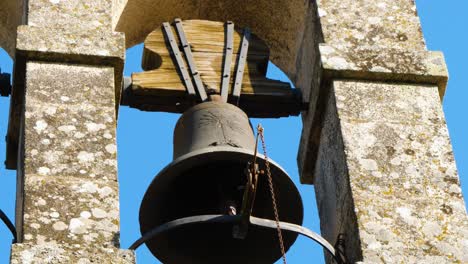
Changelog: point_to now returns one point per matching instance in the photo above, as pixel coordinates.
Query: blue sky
(145, 139)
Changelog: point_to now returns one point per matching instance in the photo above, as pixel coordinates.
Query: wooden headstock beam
(162, 86)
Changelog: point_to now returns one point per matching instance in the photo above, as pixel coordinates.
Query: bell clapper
(251, 171)
(232, 210)
(229, 207)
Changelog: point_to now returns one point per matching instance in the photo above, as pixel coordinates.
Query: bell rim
(218, 149)
(185, 161)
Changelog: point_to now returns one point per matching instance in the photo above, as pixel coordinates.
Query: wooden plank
(202, 40)
(203, 37)
(154, 78)
(161, 74)
(159, 48)
(212, 62)
(146, 82)
(170, 89)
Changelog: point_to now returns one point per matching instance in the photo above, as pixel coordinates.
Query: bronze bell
(213, 143)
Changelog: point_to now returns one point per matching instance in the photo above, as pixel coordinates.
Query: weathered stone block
(75, 140)
(71, 212)
(79, 84)
(98, 47)
(363, 101)
(68, 73)
(364, 40)
(101, 49)
(381, 24)
(70, 131)
(82, 15)
(386, 175)
(332, 188)
(391, 65)
(371, 64)
(90, 47)
(53, 253)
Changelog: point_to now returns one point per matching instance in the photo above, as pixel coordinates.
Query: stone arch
(11, 15)
(288, 27)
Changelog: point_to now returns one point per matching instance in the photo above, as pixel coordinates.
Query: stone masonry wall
(376, 146)
(68, 202)
(386, 175)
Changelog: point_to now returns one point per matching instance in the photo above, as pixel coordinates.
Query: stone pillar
(67, 77)
(376, 146)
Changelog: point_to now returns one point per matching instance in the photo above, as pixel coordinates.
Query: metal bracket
(226, 77)
(235, 219)
(191, 62)
(179, 60)
(241, 61)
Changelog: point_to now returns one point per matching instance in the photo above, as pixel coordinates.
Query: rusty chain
(272, 192)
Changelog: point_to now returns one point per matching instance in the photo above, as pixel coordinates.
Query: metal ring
(199, 219)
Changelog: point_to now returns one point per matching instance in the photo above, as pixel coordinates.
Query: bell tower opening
(150, 151)
(372, 130)
(8, 177)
